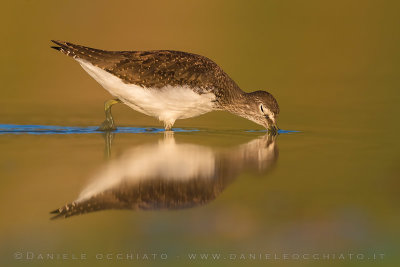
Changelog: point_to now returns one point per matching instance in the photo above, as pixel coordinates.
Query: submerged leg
(108, 124)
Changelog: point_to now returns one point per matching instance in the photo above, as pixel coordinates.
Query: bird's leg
(108, 124)
(168, 125)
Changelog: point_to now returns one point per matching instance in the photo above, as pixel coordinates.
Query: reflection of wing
(169, 176)
(151, 194)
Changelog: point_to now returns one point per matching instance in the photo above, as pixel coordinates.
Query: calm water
(141, 191)
(218, 185)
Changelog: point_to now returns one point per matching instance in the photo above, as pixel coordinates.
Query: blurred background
(332, 65)
(332, 62)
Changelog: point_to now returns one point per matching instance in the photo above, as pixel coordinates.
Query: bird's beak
(273, 129)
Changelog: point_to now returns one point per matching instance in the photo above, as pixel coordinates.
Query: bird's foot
(168, 126)
(107, 125)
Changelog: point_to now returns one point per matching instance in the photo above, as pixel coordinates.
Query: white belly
(167, 104)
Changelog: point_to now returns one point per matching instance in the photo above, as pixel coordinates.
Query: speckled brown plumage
(157, 68)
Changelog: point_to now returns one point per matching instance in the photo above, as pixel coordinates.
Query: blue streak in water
(280, 131)
(51, 129)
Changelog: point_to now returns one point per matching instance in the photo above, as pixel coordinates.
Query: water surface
(195, 191)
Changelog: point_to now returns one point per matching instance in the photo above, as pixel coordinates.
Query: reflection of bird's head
(260, 153)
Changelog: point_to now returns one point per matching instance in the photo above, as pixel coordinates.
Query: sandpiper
(170, 85)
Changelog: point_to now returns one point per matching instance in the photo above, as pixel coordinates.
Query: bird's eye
(261, 107)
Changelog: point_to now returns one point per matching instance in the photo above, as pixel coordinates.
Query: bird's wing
(157, 69)
(154, 69)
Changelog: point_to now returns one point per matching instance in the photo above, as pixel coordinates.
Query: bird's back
(157, 68)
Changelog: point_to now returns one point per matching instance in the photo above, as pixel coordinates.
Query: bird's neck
(238, 103)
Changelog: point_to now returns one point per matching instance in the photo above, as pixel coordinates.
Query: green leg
(108, 124)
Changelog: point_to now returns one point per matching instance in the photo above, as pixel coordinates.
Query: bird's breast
(168, 103)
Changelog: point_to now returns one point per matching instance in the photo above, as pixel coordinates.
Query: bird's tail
(69, 209)
(98, 57)
(69, 49)
(85, 206)
(79, 51)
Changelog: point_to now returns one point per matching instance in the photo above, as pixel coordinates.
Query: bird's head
(263, 109)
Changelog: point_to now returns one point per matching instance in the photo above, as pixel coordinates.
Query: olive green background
(333, 66)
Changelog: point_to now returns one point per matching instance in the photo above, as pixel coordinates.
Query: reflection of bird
(170, 85)
(167, 175)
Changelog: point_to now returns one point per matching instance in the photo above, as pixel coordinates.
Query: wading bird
(170, 85)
